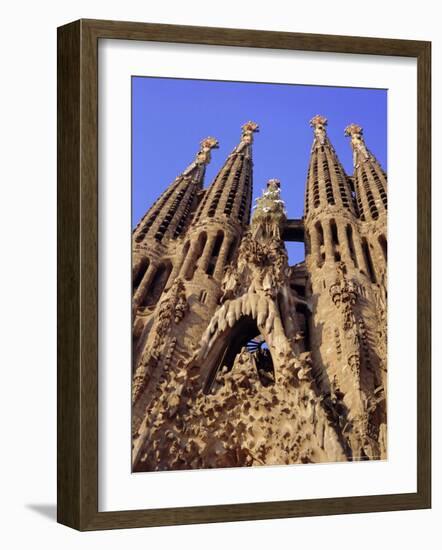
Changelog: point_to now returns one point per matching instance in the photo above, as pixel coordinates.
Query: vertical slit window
(370, 199)
(153, 293)
(320, 237)
(370, 266)
(138, 276)
(215, 253)
(316, 200)
(335, 240)
(351, 244)
(328, 183)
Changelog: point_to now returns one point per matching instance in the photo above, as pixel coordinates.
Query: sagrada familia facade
(240, 359)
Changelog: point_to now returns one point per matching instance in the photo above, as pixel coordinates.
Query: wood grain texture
(68, 275)
(77, 385)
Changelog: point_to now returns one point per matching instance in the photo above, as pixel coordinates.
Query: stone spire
(343, 322)
(222, 215)
(170, 214)
(239, 363)
(327, 183)
(370, 181)
(229, 197)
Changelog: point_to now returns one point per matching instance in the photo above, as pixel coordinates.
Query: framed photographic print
(234, 341)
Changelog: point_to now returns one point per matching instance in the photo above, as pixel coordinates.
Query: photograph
(259, 274)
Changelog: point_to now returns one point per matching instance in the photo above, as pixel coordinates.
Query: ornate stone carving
(266, 364)
(248, 129)
(344, 295)
(318, 123)
(357, 142)
(207, 144)
(171, 309)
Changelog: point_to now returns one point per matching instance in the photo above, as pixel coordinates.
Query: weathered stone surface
(241, 359)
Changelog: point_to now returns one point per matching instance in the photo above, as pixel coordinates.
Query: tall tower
(163, 223)
(196, 267)
(370, 184)
(344, 320)
(220, 219)
(224, 372)
(260, 404)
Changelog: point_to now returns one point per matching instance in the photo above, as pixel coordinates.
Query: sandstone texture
(240, 359)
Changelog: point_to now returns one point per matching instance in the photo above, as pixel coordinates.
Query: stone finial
(248, 129)
(273, 183)
(207, 144)
(354, 131)
(318, 123)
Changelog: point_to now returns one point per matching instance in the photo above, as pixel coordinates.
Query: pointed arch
(228, 345)
(156, 287)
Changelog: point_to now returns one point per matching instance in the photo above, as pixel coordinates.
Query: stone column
(220, 263)
(173, 274)
(207, 253)
(140, 294)
(362, 262)
(314, 245)
(137, 266)
(344, 247)
(328, 242)
(189, 259)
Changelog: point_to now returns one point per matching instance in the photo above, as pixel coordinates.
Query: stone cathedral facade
(240, 359)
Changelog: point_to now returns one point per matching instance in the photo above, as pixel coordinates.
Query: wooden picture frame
(78, 274)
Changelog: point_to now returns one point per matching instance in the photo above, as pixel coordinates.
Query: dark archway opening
(157, 285)
(139, 274)
(244, 334)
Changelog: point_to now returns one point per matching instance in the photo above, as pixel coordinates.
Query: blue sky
(171, 116)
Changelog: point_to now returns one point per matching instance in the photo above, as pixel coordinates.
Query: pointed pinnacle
(360, 151)
(209, 143)
(250, 126)
(248, 129)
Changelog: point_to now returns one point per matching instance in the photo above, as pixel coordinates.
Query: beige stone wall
(317, 390)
